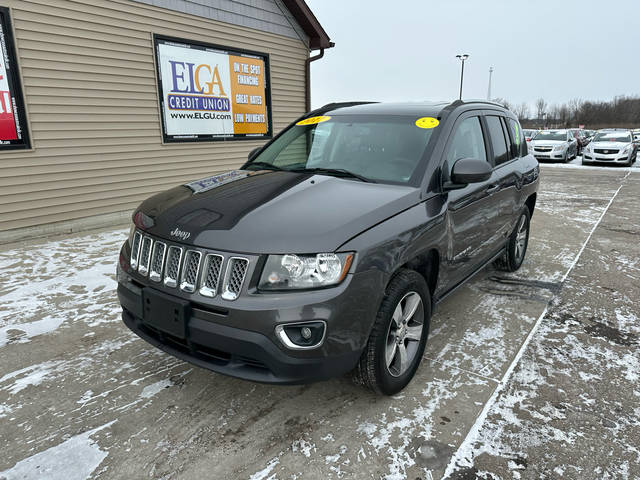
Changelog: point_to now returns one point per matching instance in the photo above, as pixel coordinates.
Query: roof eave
(318, 38)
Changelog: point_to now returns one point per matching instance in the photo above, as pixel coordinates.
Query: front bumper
(238, 338)
(606, 158)
(551, 155)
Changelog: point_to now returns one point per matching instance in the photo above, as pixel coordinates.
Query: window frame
(479, 114)
(488, 136)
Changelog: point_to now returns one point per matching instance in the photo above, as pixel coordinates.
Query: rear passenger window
(467, 142)
(518, 147)
(496, 133)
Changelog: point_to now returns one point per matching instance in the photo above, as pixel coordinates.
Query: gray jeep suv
(329, 249)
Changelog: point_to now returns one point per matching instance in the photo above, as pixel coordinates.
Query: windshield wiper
(338, 172)
(265, 166)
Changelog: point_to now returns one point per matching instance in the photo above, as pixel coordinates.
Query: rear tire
(394, 350)
(516, 247)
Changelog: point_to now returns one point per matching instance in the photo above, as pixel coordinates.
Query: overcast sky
(405, 50)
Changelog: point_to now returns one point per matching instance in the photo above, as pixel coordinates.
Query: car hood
(609, 145)
(271, 212)
(550, 143)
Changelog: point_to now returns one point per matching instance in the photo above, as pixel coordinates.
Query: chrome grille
(135, 250)
(172, 268)
(208, 274)
(211, 275)
(157, 261)
(190, 271)
(145, 255)
(234, 276)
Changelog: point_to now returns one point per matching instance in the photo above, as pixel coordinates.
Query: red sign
(7, 119)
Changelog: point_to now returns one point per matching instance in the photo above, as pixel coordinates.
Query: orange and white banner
(209, 93)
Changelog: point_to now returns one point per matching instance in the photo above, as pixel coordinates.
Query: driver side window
(467, 142)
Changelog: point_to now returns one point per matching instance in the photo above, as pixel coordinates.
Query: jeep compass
(328, 250)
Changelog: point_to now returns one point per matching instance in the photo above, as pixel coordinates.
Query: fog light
(302, 335)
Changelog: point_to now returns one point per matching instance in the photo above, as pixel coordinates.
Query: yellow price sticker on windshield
(314, 120)
(427, 122)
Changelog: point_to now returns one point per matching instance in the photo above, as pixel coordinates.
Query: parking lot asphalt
(526, 375)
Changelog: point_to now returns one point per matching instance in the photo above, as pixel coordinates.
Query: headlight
(284, 272)
(626, 149)
(561, 147)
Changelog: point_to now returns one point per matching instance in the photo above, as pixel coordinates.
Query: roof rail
(343, 104)
(477, 100)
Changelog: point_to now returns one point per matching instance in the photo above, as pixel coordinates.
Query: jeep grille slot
(157, 261)
(174, 255)
(211, 275)
(135, 250)
(234, 276)
(145, 256)
(190, 271)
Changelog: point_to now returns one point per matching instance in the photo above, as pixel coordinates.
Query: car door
(508, 173)
(471, 217)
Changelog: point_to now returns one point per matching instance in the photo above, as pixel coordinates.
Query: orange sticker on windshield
(427, 122)
(313, 120)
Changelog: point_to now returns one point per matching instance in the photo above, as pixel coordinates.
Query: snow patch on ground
(73, 459)
(151, 390)
(23, 332)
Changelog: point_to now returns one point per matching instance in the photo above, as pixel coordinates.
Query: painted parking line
(464, 455)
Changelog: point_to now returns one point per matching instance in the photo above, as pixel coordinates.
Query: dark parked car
(582, 139)
(329, 249)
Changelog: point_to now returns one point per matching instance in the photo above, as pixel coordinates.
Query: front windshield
(612, 137)
(562, 136)
(378, 148)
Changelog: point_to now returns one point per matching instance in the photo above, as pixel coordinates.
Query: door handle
(493, 188)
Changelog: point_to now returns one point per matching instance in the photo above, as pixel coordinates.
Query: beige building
(114, 100)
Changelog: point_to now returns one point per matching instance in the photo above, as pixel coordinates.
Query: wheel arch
(427, 264)
(530, 202)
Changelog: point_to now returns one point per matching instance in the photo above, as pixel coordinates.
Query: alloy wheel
(404, 335)
(521, 237)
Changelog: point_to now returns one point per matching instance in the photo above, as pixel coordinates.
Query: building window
(209, 92)
(13, 122)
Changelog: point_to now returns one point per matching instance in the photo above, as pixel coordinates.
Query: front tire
(516, 247)
(399, 335)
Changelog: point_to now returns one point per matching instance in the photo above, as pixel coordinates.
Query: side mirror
(468, 170)
(253, 153)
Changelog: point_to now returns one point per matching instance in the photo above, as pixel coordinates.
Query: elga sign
(13, 131)
(209, 92)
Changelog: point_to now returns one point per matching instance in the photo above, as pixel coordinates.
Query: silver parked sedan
(557, 145)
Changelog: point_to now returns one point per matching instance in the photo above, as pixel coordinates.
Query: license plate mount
(164, 312)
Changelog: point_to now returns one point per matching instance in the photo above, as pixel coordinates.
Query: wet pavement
(527, 375)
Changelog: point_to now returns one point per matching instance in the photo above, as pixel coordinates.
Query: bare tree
(504, 102)
(522, 111)
(575, 105)
(541, 107)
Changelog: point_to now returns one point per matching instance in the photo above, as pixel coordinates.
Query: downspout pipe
(307, 77)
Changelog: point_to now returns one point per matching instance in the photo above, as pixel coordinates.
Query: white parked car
(559, 145)
(611, 146)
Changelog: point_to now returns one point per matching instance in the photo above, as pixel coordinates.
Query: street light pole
(462, 58)
(489, 89)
